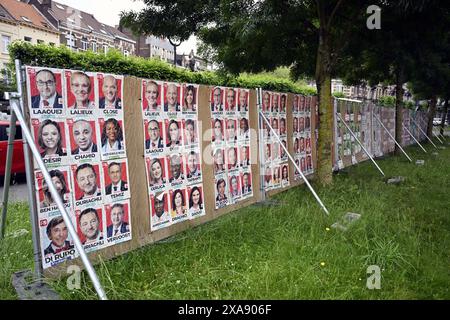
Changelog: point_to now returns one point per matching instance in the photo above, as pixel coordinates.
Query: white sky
(108, 11)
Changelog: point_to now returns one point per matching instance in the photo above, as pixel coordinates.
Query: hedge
(114, 62)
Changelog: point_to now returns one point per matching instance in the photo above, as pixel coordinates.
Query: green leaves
(114, 62)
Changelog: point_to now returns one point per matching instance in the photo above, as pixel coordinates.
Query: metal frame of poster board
(139, 203)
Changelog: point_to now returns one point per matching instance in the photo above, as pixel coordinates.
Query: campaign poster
(219, 161)
(155, 137)
(112, 138)
(275, 108)
(50, 137)
(45, 92)
(243, 100)
(172, 99)
(244, 129)
(118, 222)
(174, 134)
(231, 131)
(234, 185)
(152, 98)
(230, 102)
(246, 184)
(190, 131)
(193, 168)
(83, 138)
(218, 136)
(221, 192)
(115, 179)
(90, 222)
(195, 201)
(268, 172)
(81, 94)
(61, 179)
(244, 159)
(56, 243)
(110, 95)
(176, 170)
(232, 159)
(178, 205)
(159, 209)
(283, 102)
(276, 176)
(157, 175)
(285, 175)
(87, 182)
(217, 96)
(190, 101)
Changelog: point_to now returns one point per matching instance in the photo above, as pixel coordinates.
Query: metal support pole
(292, 160)
(30, 177)
(9, 157)
(362, 146)
(55, 195)
(261, 149)
(424, 133)
(390, 135)
(435, 135)
(409, 132)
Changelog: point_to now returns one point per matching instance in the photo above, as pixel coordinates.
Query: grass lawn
(290, 251)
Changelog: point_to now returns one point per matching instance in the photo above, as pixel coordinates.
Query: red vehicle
(18, 163)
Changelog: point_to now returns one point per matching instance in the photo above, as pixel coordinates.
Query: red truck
(18, 163)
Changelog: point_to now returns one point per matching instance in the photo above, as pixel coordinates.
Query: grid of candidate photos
(276, 165)
(230, 145)
(302, 134)
(347, 146)
(172, 152)
(78, 126)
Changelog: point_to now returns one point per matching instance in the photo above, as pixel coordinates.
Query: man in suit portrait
(90, 226)
(172, 104)
(245, 159)
(154, 133)
(115, 174)
(110, 99)
(118, 225)
(57, 233)
(46, 85)
(82, 134)
(246, 187)
(192, 163)
(175, 169)
(86, 178)
(216, 104)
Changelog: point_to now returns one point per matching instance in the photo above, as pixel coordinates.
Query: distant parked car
(18, 163)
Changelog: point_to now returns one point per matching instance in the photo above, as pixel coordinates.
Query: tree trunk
(323, 79)
(398, 109)
(431, 114)
(444, 116)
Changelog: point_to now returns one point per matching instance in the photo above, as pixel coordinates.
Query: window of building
(27, 39)
(40, 41)
(6, 40)
(94, 47)
(71, 41)
(52, 44)
(84, 44)
(126, 53)
(105, 49)
(26, 19)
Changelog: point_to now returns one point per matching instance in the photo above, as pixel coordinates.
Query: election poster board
(230, 145)
(76, 120)
(172, 152)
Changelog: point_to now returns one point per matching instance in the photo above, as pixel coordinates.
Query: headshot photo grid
(78, 126)
(172, 152)
(230, 145)
(276, 169)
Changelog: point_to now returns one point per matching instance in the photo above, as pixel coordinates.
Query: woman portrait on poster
(81, 87)
(112, 136)
(221, 185)
(156, 173)
(218, 131)
(61, 186)
(49, 139)
(219, 163)
(189, 97)
(195, 200)
(174, 134)
(284, 174)
(189, 129)
(178, 203)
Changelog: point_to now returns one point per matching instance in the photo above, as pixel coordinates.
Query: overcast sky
(108, 11)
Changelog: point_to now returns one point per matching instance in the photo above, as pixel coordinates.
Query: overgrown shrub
(114, 62)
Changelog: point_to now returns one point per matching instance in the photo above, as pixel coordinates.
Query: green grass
(276, 252)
